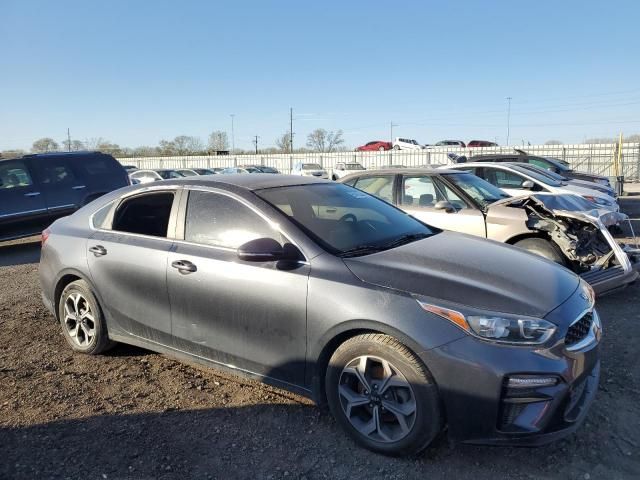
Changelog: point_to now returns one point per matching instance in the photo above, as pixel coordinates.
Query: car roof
(254, 181)
(404, 171)
(46, 155)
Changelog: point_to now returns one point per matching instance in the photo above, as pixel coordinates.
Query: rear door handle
(78, 187)
(184, 266)
(98, 250)
(32, 194)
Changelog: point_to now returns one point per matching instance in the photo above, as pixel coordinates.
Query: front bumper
(480, 407)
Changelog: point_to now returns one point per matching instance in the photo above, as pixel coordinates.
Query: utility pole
(68, 140)
(255, 142)
(290, 130)
(508, 118)
(233, 135)
(391, 125)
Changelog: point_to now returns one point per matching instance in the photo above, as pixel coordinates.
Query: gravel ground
(136, 414)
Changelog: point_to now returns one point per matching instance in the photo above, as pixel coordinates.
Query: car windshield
(353, 166)
(480, 190)
(539, 177)
(542, 171)
(345, 221)
(167, 174)
(559, 164)
(311, 166)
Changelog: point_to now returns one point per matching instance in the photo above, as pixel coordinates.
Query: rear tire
(543, 248)
(381, 149)
(81, 319)
(382, 395)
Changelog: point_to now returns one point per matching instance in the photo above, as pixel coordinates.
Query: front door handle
(32, 194)
(78, 187)
(98, 250)
(184, 266)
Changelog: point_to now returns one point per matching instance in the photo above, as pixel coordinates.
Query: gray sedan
(316, 287)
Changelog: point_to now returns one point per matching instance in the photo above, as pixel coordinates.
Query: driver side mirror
(446, 206)
(527, 185)
(261, 250)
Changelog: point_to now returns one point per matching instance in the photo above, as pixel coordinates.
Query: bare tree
(322, 141)
(553, 142)
(77, 145)
(45, 145)
(283, 143)
(218, 141)
(186, 145)
(12, 153)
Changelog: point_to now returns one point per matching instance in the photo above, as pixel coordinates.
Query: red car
(481, 143)
(377, 145)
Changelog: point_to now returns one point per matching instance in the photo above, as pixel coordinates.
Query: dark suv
(37, 189)
(552, 164)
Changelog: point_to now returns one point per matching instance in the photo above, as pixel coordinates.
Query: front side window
(14, 175)
(222, 221)
(343, 220)
(146, 214)
(504, 179)
(381, 187)
(419, 191)
(56, 172)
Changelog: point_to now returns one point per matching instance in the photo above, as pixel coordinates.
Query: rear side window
(14, 175)
(221, 221)
(98, 218)
(144, 214)
(381, 187)
(96, 165)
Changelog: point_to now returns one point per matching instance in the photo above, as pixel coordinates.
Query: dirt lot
(136, 414)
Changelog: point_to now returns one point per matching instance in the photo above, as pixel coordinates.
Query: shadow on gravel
(19, 254)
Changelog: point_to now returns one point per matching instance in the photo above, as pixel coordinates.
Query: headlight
(503, 328)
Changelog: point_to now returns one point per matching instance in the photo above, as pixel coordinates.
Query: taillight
(45, 235)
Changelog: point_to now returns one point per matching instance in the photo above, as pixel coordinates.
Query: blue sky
(135, 72)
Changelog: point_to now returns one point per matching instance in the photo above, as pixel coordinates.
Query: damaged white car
(563, 228)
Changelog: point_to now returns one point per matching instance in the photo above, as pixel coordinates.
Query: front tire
(396, 147)
(81, 319)
(382, 395)
(543, 248)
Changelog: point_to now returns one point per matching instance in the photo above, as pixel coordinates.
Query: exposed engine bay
(582, 236)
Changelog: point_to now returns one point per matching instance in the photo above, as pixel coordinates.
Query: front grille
(579, 330)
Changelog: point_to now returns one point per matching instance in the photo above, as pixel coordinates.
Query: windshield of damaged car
(539, 177)
(542, 171)
(345, 221)
(480, 190)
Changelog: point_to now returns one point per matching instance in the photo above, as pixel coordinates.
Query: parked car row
(560, 225)
(403, 143)
(403, 328)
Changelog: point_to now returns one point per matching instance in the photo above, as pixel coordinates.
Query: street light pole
(233, 136)
(508, 118)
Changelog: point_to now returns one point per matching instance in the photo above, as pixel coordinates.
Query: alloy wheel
(79, 320)
(377, 399)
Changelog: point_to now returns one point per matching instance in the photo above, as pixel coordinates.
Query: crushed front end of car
(585, 239)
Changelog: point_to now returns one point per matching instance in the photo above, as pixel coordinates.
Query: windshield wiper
(404, 239)
(360, 250)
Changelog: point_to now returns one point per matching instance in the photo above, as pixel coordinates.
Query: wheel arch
(66, 277)
(531, 234)
(335, 337)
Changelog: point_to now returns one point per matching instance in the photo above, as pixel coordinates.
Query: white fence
(593, 158)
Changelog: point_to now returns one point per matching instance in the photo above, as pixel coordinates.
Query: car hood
(472, 271)
(583, 190)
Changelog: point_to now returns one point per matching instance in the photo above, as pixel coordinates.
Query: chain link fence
(591, 158)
